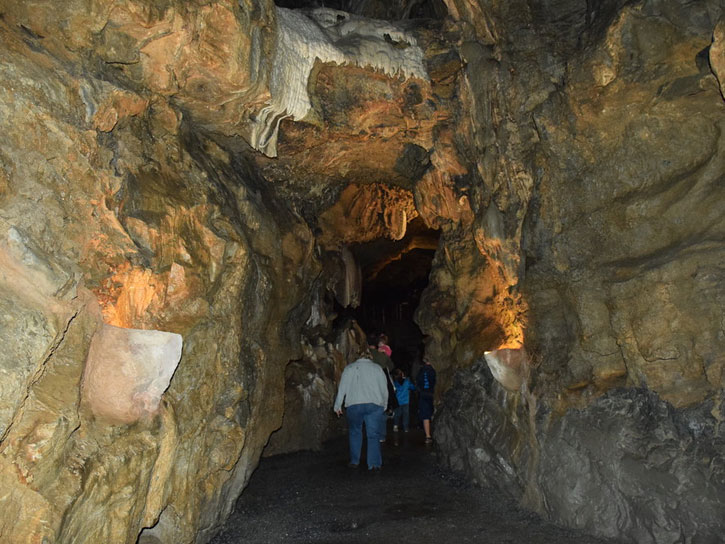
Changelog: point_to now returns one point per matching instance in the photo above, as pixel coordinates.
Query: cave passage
(203, 206)
(394, 275)
(312, 497)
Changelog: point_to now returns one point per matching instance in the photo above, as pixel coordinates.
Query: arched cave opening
(394, 275)
(202, 179)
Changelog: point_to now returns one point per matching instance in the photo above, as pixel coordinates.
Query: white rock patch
(330, 36)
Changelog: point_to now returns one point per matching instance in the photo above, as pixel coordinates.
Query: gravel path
(313, 497)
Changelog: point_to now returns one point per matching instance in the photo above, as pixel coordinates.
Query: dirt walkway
(313, 497)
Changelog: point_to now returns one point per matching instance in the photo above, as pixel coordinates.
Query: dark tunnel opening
(394, 276)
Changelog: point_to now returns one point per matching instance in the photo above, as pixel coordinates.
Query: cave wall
(596, 136)
(569, 155)
(134, 208)
(628, 466)
(640, 225)
(119, 208)
(592, 167)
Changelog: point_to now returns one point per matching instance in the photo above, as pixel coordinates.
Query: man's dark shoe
(375, 470)
(352, 465)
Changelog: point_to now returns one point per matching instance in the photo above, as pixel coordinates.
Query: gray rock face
(628, 466)
(477, 429)
(310, 388)
(633, 467)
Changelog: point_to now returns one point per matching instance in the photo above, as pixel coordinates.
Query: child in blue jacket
(403, 387)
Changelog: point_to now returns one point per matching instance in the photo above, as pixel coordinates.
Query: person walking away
(386, 363)
(426, 382)
(377, 356)
(364, 393)
(383, 345)
(403, 387)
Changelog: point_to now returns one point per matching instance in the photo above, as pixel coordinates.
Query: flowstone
(326, 35)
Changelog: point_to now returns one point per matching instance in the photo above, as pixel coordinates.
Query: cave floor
(315, 497)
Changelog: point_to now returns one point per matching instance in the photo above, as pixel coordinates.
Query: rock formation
(206, 170)
(601, 153)
(628, 466)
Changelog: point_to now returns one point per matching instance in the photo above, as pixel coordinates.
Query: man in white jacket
(364, 391)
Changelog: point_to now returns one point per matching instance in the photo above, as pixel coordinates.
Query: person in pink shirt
(383, 345)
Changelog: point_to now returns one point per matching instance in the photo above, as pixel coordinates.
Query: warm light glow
(508, 367)
(131, 292)
(516, 344)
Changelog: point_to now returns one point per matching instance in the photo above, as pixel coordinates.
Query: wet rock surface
(570, 157)
(629, 465)
(644, 471)
(314, 497)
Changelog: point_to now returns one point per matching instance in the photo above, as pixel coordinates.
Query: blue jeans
(402, 416)
(371, 415)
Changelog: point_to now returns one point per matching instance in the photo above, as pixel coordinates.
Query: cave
(206, 205)
(394, 274)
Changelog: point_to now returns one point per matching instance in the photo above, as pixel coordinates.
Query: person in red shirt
(383, 345)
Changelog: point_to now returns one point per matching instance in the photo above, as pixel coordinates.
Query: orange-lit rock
(468, 307)
(367, 212)
(202, 54)
(717, 54)
(439, 202)
(108, 200)
(573, 166)
(117, 106)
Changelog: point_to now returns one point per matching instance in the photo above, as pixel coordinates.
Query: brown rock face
(128, 207)
(109, 200)
(368, 212)
(589, 169)
(571, 160)
(636, 176)
(207, 56)
(717, 54)
(599, 208)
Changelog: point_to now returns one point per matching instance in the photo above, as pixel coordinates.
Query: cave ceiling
(351, 166)
(379, 9)
(391, 266)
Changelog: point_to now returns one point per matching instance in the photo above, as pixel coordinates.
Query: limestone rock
(327, 35)
(571, 159)
(596, 198)
(644, 472)
(628, 466)
(493, 449)
(365, 213)
(368, 128)
(717, 54)
(628, 235)
(114, 209)
(467, 308)
(584, 211)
